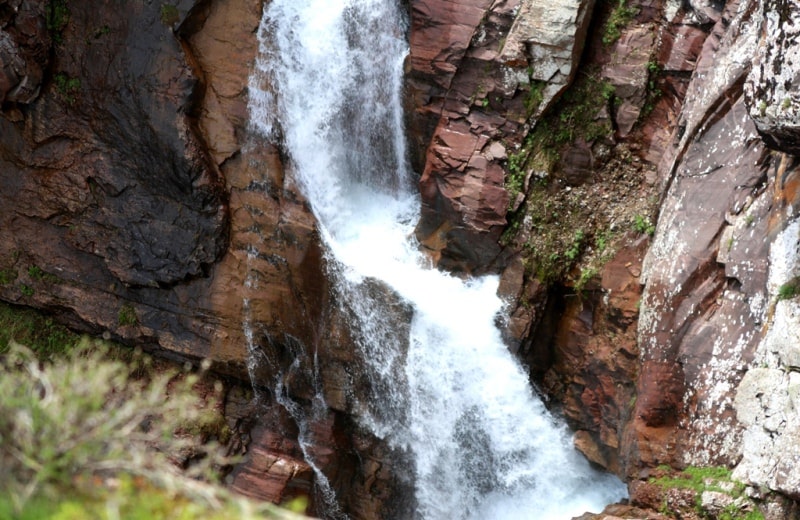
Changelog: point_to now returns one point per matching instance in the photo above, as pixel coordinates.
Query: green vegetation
(169, 14)
(35, 272)
(127, 315)
(621, 15)
(7, 276)
(576, 115)
(39, 332)
(535, 96)
(559, 238)
(38, 275)
(86, 436)
(587, 274)
(573, 117)
(57, 19)
(557, 235)
(66, 86)
(653, 93)
(26, 290)
(790, 289)
(642, 224)
(576, 246)
(716, 479)
(515, 180)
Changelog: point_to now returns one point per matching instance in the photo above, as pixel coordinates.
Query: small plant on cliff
(621, 15)
(35, 272)
(7, 276)
(515, 180)
(169, 14)
(57, 19)
(66, 86)
(789, 290)
(127, 315)
(576, 246)
(654, 92)
(535, 96)
(642, 224)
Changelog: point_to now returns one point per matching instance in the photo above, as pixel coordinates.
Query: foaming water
(449, 393)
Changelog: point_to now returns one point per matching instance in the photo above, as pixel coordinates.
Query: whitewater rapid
(327, 88)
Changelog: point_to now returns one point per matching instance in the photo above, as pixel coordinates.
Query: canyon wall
(137, 204)
(660, 319)
(628, 168)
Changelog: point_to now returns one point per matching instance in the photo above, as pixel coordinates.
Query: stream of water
(451, 395)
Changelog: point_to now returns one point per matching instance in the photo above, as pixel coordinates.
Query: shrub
(86, 436)
(620, 17)
(642, 224)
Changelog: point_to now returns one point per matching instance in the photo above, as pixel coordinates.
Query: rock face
(715, 382)
(771, 85)
(24, 45)
(704, 274)
(137, 204)
(478, 71)
(709, 346)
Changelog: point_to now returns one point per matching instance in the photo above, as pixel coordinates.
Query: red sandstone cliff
(551, 144)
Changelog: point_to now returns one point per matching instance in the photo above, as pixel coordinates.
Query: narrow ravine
(327, 88)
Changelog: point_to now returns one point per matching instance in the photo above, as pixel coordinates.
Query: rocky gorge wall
(660, 318)
(136, 204)
(627, 167)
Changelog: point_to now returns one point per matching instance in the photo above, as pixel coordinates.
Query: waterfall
(327, 87)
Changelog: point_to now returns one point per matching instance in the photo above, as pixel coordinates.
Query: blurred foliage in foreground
(87, 436)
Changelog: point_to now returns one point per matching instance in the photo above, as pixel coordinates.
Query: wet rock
(268, 473)
(623, 512)
(224, 62)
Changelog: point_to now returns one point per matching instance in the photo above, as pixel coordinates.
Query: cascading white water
(483, 445)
